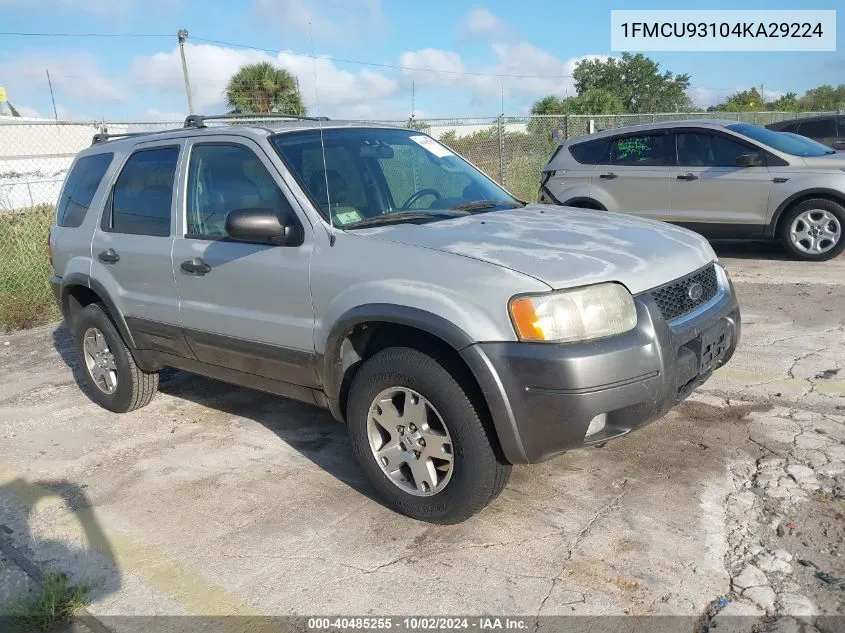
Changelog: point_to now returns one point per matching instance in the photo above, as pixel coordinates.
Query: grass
(55, 604)
(25, 296)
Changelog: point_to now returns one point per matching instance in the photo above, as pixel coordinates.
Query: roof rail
(198, 120)
(105, 136)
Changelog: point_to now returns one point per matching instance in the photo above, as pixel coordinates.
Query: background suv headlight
(581, 314)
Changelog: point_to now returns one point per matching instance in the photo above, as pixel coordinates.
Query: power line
(20, 34)
(334, 59)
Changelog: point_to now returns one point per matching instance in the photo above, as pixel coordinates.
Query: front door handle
(195, 266)
(109, 256)
(609, 176)
(687, 177)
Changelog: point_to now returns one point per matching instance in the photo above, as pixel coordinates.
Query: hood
(563, 246)
(828, 161)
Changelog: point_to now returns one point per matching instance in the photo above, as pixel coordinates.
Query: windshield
(375, 175)
(782, 141)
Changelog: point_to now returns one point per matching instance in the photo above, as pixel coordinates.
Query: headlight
(574, 315)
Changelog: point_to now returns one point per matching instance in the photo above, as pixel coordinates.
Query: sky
(494, 56)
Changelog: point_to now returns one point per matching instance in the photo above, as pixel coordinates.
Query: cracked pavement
(219, 500)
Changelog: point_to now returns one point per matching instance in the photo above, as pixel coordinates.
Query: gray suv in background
(720, 178)
(372, 272)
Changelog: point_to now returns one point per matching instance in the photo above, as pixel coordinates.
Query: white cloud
(432, 59)
(520, 68)
(483, 21)
(74, 75)
(334, 18)
(210, 67)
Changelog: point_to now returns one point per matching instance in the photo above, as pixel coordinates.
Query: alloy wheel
(410, 442)
(99, 360)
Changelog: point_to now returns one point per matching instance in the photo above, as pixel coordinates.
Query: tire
(478, 470)
(133, 387)
(814, 215)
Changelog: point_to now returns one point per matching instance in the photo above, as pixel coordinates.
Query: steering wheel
(419, 194)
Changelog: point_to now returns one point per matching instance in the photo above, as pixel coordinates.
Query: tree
(596, 101)
(824, 98)
(264, 88)
(786, 103)
(636, 81)
(743, 101)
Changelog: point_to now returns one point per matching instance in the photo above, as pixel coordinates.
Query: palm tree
(264, 88)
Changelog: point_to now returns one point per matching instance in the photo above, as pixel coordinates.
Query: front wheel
(112, 378)
(813, 229)
(423, 441)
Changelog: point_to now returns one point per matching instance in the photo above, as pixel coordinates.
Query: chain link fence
(35, 156)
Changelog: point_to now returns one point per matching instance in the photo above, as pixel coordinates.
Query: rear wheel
(112, 378)
(812, 229)
(422, 440)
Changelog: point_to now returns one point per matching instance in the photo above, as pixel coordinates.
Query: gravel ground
(729, 512)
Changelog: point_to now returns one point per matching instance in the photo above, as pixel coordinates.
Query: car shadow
(64, 344)
(86, 557)
(308, 429)
(765, 250)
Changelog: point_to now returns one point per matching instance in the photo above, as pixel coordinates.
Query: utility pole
(182, 35)
(50, 83)
(762, 96)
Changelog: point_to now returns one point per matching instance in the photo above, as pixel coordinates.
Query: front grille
(674, 299)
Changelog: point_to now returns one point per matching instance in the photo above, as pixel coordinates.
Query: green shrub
(25, 296)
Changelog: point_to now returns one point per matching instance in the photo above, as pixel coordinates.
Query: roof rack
(102, 137)
(198, 120)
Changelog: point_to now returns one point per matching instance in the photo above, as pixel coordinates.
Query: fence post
(566, 128)
(29, 188)
(501, 126)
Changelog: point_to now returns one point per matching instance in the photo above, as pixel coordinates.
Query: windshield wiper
(481, 204)
(403, 216)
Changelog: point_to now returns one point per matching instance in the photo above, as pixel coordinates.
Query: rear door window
(591, 152)
(646, 150)
(79, 190)
(143, 194)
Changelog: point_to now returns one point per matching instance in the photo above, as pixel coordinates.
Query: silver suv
(370, 271)
(722, 179)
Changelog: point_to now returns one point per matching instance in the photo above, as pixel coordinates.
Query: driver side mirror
(751, 159)
(264, 226)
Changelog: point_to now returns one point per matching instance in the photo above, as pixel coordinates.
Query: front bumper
(543, 397)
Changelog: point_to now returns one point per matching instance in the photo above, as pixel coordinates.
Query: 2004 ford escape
(454, 329)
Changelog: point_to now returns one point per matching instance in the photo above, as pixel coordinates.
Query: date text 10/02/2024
(423, 623)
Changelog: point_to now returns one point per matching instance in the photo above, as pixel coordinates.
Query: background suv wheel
(812, 229)
(424, 443)
(112, 378)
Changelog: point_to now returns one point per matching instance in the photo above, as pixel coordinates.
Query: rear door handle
(687, 177)
(195, 266)
(839, 143)
(609, 176)
(109, 256)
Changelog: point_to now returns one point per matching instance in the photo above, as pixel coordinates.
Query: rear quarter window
(79, 190)
(591, 152)
(819, 128)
